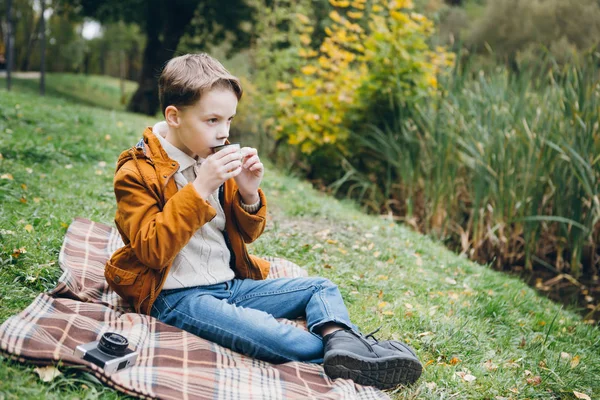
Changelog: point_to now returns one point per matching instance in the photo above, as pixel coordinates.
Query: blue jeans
(240, 315)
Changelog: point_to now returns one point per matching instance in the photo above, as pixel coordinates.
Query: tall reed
(504, 167)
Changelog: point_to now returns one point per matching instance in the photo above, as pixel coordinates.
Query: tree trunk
(170, 24)
(10, 43)
(33, 38)
(43, 50)
(454, 2)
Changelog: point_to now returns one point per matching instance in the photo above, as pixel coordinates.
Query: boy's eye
(212, 120)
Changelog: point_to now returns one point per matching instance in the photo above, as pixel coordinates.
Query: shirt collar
(173, 152)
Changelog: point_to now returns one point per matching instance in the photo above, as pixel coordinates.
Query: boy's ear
(172, 116)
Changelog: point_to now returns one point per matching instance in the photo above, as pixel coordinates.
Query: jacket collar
(184, 161)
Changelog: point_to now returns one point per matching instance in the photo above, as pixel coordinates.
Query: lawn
(480, 333)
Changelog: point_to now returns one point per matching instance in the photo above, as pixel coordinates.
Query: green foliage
(505, 168)
(373, 61)
(563, 27)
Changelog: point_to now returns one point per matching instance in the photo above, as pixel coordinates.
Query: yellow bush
(367, 53)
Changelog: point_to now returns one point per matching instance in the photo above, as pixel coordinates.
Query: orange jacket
(156, 221)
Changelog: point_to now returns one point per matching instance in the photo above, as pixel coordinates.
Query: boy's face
(205, 124)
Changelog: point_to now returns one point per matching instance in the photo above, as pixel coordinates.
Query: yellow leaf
(7, 176)
(64, 225)
(23, 200)
(581, 395)
(331, 241)
(107, 137)
(17, 252)
(23, 186)
(455, 360)
(303, 18)
(28, 227)
(308, 70)
(575, 361)
(387, 312)
(382, 304)
(47, 374)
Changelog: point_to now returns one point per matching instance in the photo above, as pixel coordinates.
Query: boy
(186, 212)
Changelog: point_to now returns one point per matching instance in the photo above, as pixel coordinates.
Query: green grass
(460, 317)
(92, 90)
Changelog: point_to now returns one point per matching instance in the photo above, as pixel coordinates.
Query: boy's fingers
(252, 160)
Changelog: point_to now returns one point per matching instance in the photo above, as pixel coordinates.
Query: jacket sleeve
(157, 236)
(251, 226)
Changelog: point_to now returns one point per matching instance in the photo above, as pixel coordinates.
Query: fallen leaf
(425, 334)
(408, 306)
(68, 166)
(23, 186)
(47, 374)
(317, 246)
(99, 172)
(328, 266)
(102, 164)
(29, 170)
(466, 376)
(565, 356)
(28, 227)
(36, 199)
(450, 281)
(376, 254)
(575, 361)
(382, 277)
(490, 366)
(382, 304)
(331, 241)
(17, 252)
(535, 380)
(7, 176)
(107, 137)
(455, 360)
(387, 312)
(430, 385)
(23, 200)
(581, 395)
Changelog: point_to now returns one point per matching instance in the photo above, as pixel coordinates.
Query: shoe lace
(370, 335)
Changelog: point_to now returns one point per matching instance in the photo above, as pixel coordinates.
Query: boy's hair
(185, 78)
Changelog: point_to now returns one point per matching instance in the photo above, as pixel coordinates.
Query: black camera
(111, 352)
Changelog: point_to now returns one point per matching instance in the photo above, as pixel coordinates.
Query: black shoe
(390, 344)
(350, 355)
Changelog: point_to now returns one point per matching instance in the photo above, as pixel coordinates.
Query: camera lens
(112, 343)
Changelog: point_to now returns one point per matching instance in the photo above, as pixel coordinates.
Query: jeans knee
(325, 283)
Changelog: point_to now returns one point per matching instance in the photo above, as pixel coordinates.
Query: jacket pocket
(117, 276)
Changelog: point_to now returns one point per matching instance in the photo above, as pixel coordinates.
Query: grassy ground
(93, 90)
(481, 334)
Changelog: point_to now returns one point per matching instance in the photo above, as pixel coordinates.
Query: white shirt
(205, 258)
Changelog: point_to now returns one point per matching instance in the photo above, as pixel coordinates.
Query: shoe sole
(383, 373)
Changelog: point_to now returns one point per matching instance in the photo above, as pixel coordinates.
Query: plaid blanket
(172, 364)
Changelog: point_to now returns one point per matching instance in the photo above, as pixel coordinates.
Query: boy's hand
(216, 169)
(248, 180)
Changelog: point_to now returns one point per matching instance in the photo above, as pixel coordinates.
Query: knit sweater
(205, 259)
